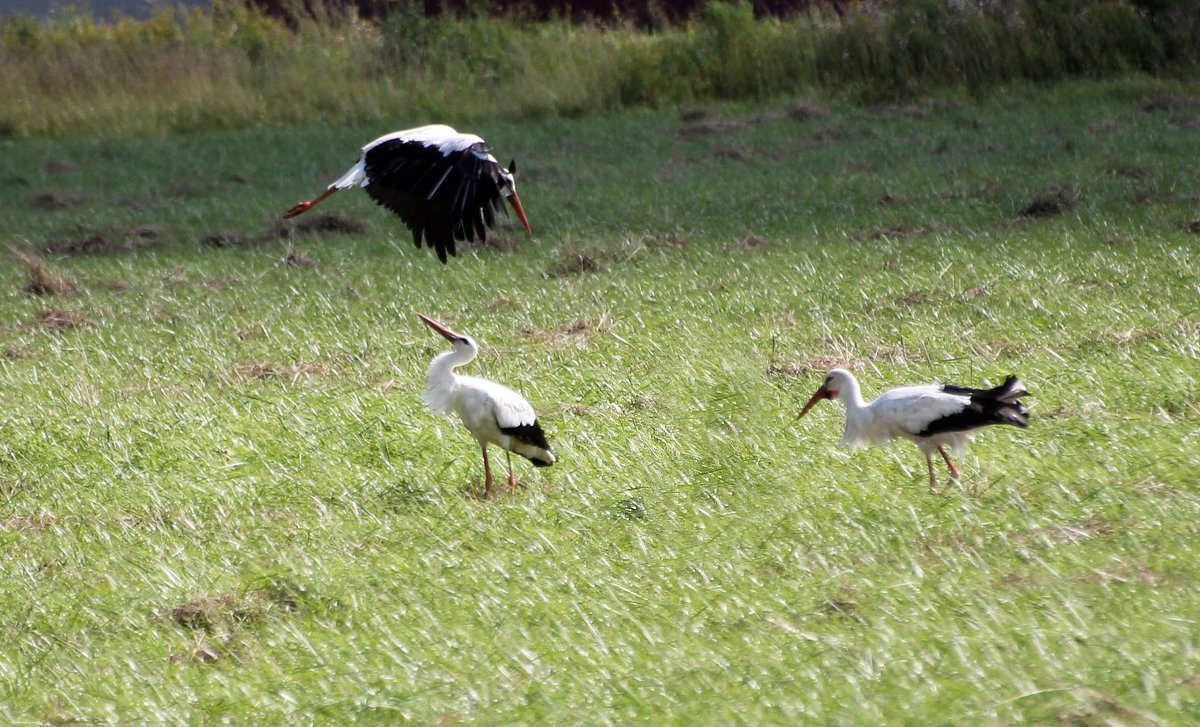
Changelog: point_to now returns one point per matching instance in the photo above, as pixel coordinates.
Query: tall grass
(232, 67)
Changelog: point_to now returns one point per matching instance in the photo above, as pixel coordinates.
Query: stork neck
(851, 396)
(441, 369)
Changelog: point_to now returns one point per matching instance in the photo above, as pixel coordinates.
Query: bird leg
(512, 478)
(487, 474)
(953, 469)
(932, 476)
(306, 206)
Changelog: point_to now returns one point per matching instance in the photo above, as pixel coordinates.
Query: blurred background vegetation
(236, 64)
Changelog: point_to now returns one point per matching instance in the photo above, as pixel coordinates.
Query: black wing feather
(531, 434)
(441, 198)
(998, 405)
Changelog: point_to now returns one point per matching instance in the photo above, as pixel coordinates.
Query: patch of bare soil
(706, 127)
(53, 201)
(321, 224)
(804, 110)
(331, 224)
(1106, 127)
(1053, 201)
(733, 153)
(1168, 102)
(1132, 171)
(60, 166)
(495, 241)
(85, 241)
(894, 231)
(1191, 122)
(186, 190)
(225, 238)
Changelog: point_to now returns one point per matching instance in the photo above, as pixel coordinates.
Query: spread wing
(441, 197)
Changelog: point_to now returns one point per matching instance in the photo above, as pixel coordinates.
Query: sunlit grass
(221, 497)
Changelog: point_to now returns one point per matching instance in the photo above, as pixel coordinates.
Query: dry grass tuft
(573, 262)
(749, 241)
(58, 320)
(810, 366)
(41, 520)
(276, 370)
(43, 281)
(199, 654)
(578, 328)
(299, 259)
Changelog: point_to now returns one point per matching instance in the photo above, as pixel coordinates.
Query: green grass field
(222, 499)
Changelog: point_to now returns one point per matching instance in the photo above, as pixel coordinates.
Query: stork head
(460, 343)
(508, 188)
(836, 381)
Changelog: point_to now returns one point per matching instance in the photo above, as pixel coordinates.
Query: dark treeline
(642, 13)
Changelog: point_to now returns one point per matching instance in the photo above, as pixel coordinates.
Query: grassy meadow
(223, 501)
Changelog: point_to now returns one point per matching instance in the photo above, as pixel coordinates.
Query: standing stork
(493, 413)
(444, 185)
(934, 416)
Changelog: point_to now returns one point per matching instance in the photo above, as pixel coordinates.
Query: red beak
(446, 332)
(515, 201)
(822, 393)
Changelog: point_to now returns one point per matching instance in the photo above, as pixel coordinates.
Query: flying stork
(493, 413)
(444, 185)
(934, 416)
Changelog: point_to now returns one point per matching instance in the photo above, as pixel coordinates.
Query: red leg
(953, 469)
(512, 478)
(487, 474)
(932, 477)
(306, 206)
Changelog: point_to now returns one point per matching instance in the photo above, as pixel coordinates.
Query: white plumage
(491, 412)
(935, 416)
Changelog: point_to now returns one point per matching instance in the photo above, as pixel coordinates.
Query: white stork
(444, 185)
(493, 413)
(933, 415)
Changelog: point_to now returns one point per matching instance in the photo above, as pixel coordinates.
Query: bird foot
(298, 210)
(477, 494)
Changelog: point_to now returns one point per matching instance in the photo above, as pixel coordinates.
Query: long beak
(822, 393)
(448, 334)
(515, 201)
